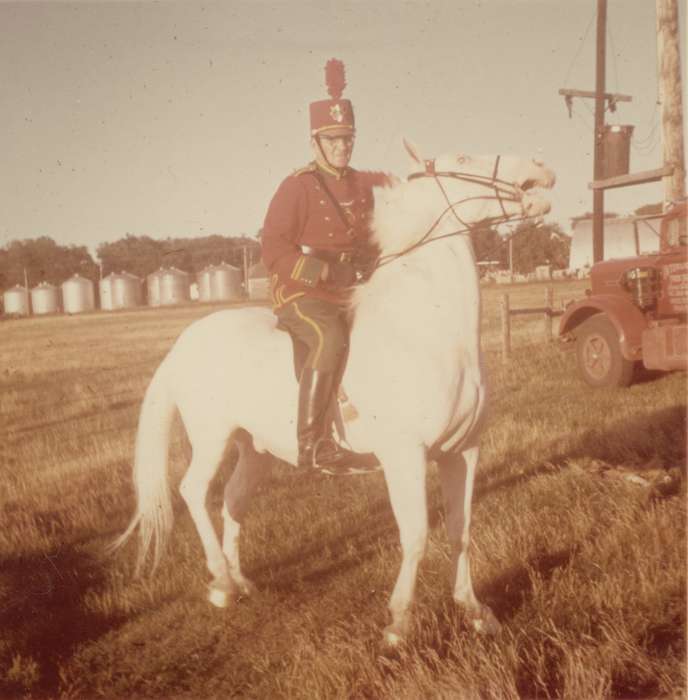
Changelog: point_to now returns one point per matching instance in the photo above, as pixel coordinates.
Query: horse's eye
(461, 159)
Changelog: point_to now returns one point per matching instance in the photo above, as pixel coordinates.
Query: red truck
(635, 312)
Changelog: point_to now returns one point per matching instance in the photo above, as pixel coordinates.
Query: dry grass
(585, 569)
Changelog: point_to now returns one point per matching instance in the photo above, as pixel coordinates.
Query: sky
(181, 119)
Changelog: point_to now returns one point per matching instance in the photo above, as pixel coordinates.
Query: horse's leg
(206, 459)
(405, 469)
(250, 471)
(457, 476)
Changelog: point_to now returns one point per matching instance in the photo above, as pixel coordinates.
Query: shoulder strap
(306, 169)
(331, 197)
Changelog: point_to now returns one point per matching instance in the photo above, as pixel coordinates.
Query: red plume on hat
(335, 113)
(335, 78)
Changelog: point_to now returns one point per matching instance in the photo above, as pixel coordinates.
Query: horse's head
(456, 191)
(505, 185)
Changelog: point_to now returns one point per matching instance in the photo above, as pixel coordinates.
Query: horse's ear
(413, 151)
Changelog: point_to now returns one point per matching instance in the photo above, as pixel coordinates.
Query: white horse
(414, 376)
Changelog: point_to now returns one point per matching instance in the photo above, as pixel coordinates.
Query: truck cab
(634, 313)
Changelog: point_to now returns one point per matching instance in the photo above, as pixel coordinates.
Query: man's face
(336, 147)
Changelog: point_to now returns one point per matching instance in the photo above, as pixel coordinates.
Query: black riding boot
(315, 393)
(317, 446)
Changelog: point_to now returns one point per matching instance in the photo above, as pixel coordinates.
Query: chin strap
(324, 157)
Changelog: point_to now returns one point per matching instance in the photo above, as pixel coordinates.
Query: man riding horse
(316, 245)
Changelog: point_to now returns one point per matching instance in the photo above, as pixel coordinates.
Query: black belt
(330, 256)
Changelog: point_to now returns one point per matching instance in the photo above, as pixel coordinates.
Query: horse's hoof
(484, 621)
(247, 588)
(221, 591)
(392, 638)
(218, 597)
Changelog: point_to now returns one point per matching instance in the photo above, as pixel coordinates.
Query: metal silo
(45, 299)
(77, 295)
(105, 290)
(225, 282)
(258, 282)
(203, 280)
(126, 291)
(153, 287)
(16, 300)
(174, 286)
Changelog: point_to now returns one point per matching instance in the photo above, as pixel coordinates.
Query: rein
(503, 191)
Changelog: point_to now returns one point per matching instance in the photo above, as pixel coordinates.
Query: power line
(614, 64)
(590, 127)
(580, 48)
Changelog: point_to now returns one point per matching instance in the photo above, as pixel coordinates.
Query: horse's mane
(403, 214)
(398, 221)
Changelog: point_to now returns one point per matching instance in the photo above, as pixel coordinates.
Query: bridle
(503, 190)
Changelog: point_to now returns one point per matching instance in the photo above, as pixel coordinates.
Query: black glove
(342, 274)
(364, 264)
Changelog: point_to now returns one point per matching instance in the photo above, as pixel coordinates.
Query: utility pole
(667, 43)
(669, 79)
(602, 98)
(598, 158)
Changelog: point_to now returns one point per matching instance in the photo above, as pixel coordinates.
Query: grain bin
(203, 280)
(16, 300)
(126, 290)
(258, 282)
(77, 295)
(153, 287)
(105, 292)
(45, 299)
(225, 282)
(174, 286)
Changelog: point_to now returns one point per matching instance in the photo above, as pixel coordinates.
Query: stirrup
(341, 460)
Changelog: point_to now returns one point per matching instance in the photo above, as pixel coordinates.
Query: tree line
(530, 246)
(41, 259)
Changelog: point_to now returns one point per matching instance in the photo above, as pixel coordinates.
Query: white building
(623, 238)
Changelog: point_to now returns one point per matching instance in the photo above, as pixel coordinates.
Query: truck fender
(627, 318)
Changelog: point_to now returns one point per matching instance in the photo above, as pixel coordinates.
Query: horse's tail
(153, 515)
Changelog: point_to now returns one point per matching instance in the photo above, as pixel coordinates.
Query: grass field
(578, 540)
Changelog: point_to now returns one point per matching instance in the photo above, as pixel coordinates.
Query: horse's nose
(534, 205)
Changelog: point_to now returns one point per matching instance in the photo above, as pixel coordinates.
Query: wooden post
(598, 158)
(669, 79)
(549, 306)
(506, 327)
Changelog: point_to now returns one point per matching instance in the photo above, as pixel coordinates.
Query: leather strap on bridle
(503, 192)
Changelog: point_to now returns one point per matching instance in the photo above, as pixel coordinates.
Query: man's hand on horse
(341, 274)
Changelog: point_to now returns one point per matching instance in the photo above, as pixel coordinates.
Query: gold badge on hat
(336, 113)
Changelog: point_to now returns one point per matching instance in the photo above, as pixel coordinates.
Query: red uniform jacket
(302, 221)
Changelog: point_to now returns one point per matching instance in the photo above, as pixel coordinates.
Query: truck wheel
(600, 361)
